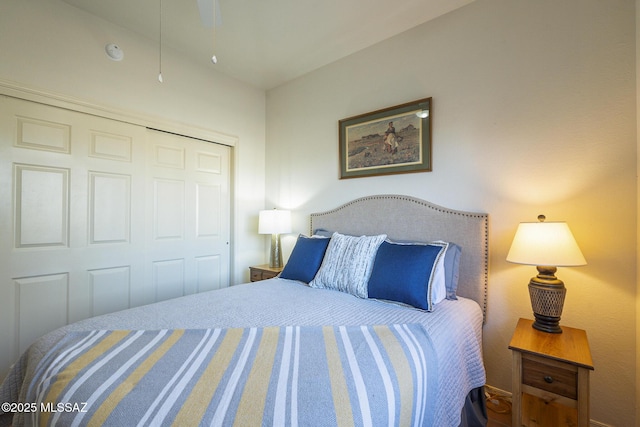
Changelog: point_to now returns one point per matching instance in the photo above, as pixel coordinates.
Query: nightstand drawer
(263, 272)
(553, 377)
(256, 275)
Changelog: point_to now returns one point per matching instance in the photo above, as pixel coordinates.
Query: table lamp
(274, 222)
(546, 245)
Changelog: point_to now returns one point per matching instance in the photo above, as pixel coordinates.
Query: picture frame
(389, 141)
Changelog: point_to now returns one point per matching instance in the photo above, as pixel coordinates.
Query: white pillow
(347, 264)
(439, 287)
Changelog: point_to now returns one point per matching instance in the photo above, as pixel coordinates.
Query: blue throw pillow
(449, 263)
(403, 273)
(305, 258)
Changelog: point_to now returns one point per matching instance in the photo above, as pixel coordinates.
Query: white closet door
(98, 215)
(188, 232)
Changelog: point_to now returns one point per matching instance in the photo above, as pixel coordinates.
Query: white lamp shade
(274, 221)
(545, 244)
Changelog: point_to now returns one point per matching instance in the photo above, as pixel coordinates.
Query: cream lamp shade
(546, 245)
(274, 222)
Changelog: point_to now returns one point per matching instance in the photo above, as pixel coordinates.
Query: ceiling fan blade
(206, 12)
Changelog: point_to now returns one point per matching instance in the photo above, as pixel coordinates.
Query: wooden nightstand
(550, 376)
(263, 272)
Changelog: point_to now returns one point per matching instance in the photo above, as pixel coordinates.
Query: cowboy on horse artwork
(390, 139)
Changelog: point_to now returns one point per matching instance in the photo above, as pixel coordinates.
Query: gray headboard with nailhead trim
(410, 218)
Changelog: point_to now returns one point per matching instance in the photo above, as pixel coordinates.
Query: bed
(293, 350)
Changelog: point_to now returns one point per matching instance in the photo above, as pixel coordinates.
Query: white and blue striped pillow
(347, 264)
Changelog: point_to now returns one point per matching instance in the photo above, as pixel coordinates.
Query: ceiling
(268, 42)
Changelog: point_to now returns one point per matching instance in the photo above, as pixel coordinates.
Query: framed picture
(388, 141)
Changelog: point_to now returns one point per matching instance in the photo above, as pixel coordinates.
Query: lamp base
(547, 294)
(275, 258)
(547, 324)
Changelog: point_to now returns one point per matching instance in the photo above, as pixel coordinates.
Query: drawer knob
(548, 379)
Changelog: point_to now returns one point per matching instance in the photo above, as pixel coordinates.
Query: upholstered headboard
(410, 218)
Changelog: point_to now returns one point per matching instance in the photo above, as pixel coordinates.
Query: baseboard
(496, 396)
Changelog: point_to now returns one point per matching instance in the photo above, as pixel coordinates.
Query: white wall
(533, 112)
(51, 46)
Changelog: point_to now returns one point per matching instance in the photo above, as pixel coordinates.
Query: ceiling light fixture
(214, 59)
(210, 17)
(160, 47)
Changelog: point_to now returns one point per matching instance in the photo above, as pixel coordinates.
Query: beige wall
(637, 424)
(533, 112)
(51, 46)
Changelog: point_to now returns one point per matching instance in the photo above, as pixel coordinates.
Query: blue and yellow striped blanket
(282, 376)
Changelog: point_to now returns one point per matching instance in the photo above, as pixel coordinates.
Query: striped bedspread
(281, 376)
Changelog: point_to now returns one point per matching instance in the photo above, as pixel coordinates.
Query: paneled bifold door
(98, 215)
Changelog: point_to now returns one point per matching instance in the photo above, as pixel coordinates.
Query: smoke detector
(114, 52)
